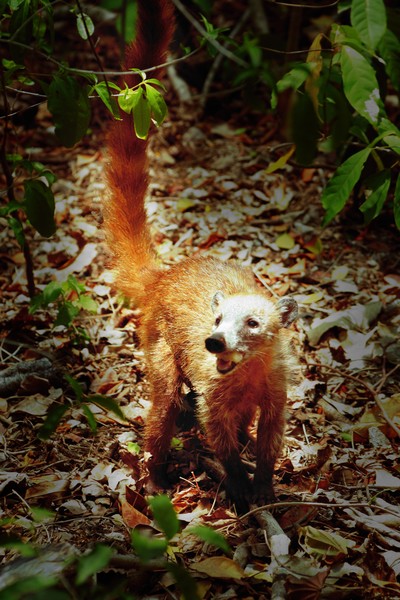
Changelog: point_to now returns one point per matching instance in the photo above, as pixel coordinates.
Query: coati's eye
(253, 324)
(218, 320)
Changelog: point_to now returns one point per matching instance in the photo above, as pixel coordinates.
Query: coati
(205, 323)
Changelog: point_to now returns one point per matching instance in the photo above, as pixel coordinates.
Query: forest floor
(338, 478)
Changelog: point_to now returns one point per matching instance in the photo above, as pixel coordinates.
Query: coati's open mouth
(228, 361)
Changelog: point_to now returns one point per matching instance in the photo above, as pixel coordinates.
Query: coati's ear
(288, 311)
(216, 301)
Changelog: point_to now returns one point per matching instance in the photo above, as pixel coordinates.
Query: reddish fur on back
(125, 216)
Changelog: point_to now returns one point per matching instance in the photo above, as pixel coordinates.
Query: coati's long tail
(124, 213)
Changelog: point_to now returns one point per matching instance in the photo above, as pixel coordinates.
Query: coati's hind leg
(166, 399)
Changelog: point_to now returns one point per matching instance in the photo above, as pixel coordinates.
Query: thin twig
(92, 47)
(91, 72)
(218, 59)
(320, 504)
(230, 55)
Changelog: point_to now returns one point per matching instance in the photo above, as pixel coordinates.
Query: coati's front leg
(160, 423)
(270, 430)
(222, 435)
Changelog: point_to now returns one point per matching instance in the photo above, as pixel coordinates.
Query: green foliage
(70, 299)
(81, 400)
(143, 102)
(151, 547)
(339, 101)
(28, 32)
(154, 551)
(212, 537)
(164, 515)
(92, 563)
(38, 201)
(68, 102)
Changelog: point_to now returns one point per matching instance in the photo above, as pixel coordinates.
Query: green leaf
(142, 117)
(67, 311)
(285, 241)
(23, 588)
(91, 419)
(157, 104)
(305, 129)
(14, 4)
(389, 49)
(83, 19)
(338, 115)
(75, 386)
(42, 515)
(209, 535)
(133, 448)
(110, 101)
(20, 29)
(51, 292)
(165, 515)
(360, 85)
(93, 562)
(186, 583)
(106, 403)
(13, 541)
(176, 444)
(292, 79)
(156, 82)
(39, 206)
(69, 104)
(345, 34)
(53, 418)
(339, 187)
(146, 547)
(18, 230)
(396, 203)
(87, 303)
(376, 191)
(368, 18)
(74, 285)
(129, 98)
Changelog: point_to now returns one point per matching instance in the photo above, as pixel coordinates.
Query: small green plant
(154, 551)
(143, 101)
(80, 400)
(149, 546)
(70, 299)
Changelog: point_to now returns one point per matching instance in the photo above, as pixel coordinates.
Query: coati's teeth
(235, 357)
(228, 361)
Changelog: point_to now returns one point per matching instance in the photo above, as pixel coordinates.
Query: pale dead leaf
(219, 566)
(84, 259)
(46, 485)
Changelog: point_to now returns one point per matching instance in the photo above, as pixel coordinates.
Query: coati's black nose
(216, 343)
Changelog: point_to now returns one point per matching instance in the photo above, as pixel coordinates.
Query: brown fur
(178, 317)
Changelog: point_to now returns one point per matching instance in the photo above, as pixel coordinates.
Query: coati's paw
(240, 493)
(156, 480)
(263, 492)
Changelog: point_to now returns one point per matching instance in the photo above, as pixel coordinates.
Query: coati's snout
(226, 359)
(216, 343)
